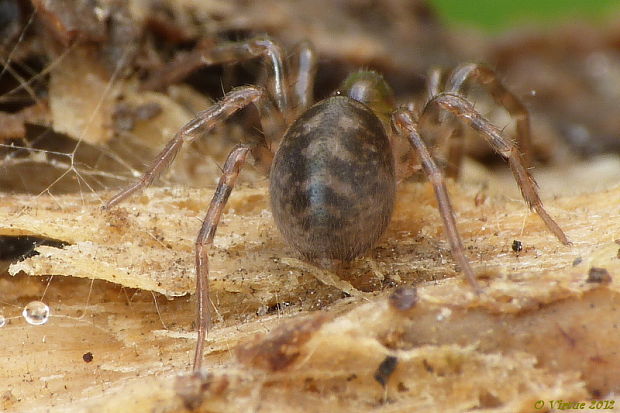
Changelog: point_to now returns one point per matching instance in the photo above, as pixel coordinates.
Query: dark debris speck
(385, 370)
(598, 275)
(403, 298)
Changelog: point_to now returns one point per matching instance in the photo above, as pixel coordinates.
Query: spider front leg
(203, 122)
(406, 125)
(230, 172)
(455, 140)
(464, 110)
(231, 52)
(486, 77)
(305, 72)
(251, 48)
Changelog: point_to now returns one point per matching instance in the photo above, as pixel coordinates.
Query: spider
(333, 164)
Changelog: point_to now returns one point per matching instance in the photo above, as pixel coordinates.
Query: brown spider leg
(406, 125)
(202, 123)
(432, 83)
(230, 172)
(231, 52)
(249, 49)
(272, 124)
(455, 140)
(455, 152)
(464, 110)
(487, 78)
(304, 77)
(273, 119)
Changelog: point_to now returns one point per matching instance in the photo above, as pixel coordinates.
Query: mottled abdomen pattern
(332, 181)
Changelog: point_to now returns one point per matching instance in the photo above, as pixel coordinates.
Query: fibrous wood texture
(398, 331)
(544, 329)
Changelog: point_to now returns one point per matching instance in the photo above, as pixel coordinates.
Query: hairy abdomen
(332, 181)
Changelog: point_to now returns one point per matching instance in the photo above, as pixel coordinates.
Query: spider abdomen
(332, 181)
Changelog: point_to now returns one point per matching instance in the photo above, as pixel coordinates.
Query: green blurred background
(496, 15)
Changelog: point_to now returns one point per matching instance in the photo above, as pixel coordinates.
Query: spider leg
(272, 124)
(231, 170)
(465, 111)
(202, 123)
(249, 49)
(305, 72)
(432, 83)
(455, 139)
(455, 152)
(487, 78)
(231, 52)
(274, 114)
(406, 125)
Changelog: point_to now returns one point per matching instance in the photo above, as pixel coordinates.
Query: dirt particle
(598, 275)
(403, 298)
(385, 370)
(282, 347)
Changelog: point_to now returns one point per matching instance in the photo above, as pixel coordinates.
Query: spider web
(49, 162)
(45, 163)
(94, 153)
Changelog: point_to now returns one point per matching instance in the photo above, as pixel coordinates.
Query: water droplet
(2, 321)
(36, 313)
